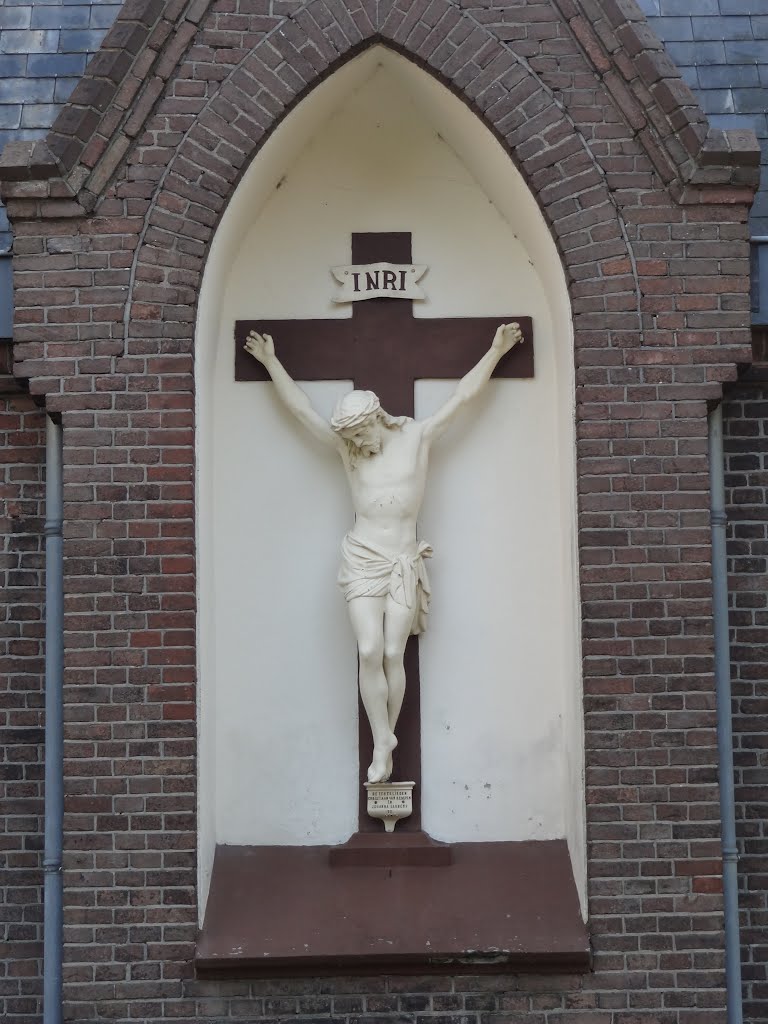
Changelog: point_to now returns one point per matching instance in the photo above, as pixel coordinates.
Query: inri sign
(378, 281)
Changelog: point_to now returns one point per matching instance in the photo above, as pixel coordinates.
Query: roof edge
(110, 104)
(126, 77)
(666, 117)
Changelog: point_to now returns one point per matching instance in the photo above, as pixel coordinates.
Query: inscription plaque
(390, 801)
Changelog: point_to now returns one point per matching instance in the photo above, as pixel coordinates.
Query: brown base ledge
(388, 850)
(495, 907)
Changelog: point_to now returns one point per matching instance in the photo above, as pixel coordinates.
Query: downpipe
(53, 938)
(719, 521)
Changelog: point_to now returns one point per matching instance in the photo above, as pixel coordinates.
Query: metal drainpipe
(53, 940)
(724, 723)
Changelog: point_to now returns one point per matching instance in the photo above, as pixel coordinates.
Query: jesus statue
(382, 574)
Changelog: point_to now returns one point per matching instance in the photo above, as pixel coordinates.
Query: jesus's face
(367, 436)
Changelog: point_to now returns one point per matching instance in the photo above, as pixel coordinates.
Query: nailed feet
(381, 766)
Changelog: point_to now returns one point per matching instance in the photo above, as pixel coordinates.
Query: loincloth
(367, 571)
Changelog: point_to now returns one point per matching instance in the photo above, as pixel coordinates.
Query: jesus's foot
(381, 766)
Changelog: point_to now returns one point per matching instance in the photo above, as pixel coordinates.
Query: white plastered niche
(381, 146)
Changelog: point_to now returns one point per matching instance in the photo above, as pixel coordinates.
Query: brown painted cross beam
(384, 348)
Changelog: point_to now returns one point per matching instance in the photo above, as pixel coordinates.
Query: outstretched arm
(262, 347)
(507, 336)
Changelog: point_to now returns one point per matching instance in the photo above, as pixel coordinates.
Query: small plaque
(390, 801)
(378, 281)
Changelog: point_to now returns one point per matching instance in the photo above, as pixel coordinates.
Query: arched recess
(381, 145)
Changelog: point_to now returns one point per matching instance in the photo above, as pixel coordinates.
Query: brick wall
(746, 448)
(106, 282)
(22, 447)
(721, 47)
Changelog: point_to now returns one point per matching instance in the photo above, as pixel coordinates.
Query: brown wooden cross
(384, 348)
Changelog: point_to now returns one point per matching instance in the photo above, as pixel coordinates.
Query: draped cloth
(366, 571)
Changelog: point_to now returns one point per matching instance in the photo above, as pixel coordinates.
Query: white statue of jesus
(382, 570)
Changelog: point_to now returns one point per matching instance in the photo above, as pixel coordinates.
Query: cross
(385, 349)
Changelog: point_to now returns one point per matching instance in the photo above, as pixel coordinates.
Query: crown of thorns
(354, 409)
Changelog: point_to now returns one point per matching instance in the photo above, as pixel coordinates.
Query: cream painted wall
(501, 717)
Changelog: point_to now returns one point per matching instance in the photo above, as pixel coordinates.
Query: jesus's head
(360, 420)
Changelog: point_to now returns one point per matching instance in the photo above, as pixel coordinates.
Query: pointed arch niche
(382, 146)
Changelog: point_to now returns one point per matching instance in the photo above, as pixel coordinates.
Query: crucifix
(383, 348)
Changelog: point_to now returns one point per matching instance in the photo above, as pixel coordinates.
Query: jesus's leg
(367, 617)
(397, 628)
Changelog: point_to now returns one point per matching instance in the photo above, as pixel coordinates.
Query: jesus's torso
(387, 489)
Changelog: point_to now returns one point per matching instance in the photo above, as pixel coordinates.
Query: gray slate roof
(721, 47)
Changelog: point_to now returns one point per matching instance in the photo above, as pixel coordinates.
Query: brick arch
(511, 99)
